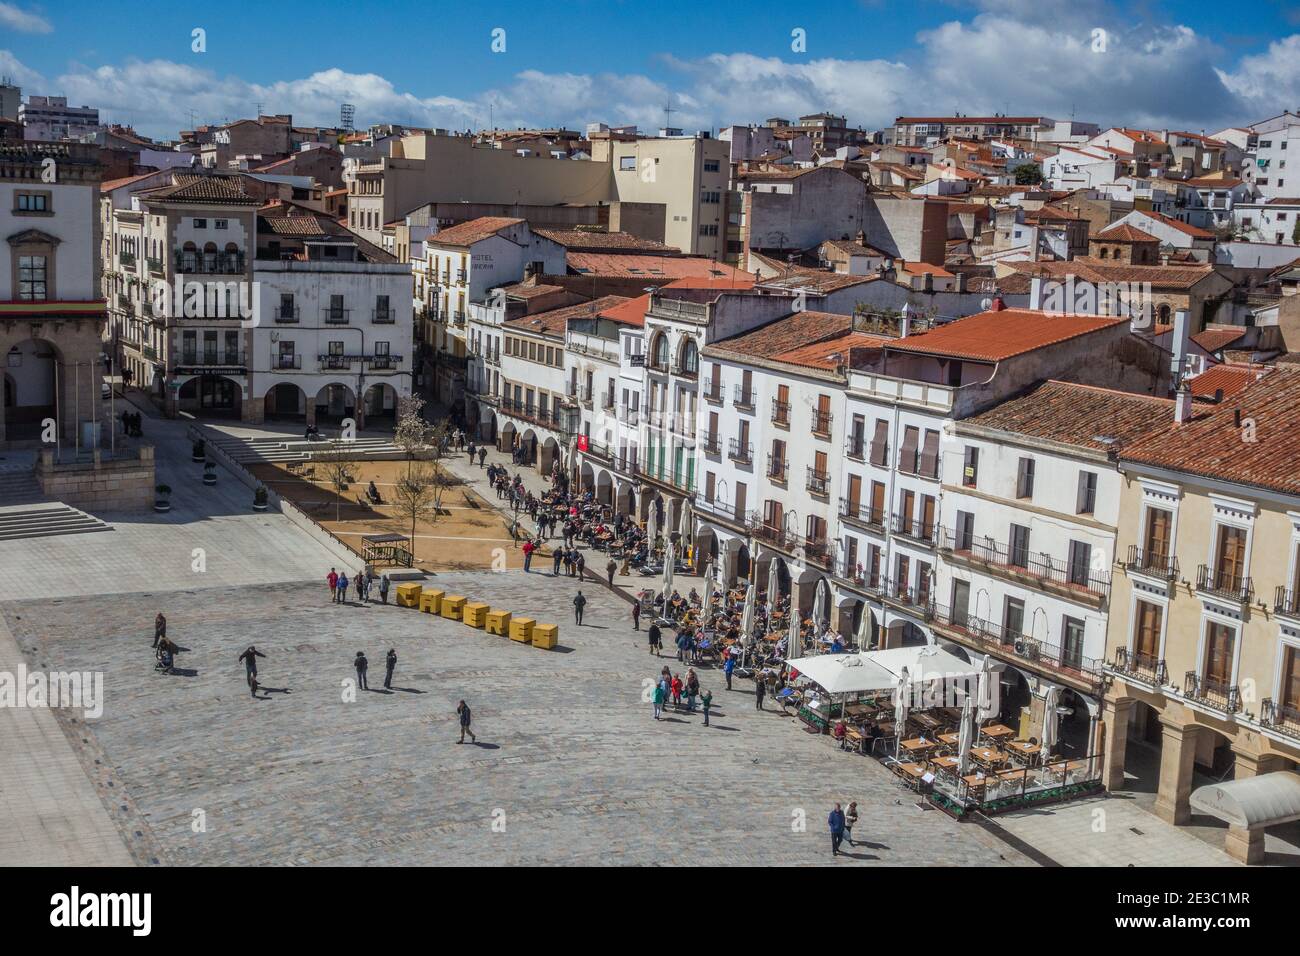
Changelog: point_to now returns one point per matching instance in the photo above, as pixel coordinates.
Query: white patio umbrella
(773, 583)
(819, 608)
(1050, 720)
(900, 709)
(795, 639)
(684, 525)
(670, 558)
(651, 527)
(986, 698)
(864, 629)
(966, 739)
(747, 619)
(708, 589)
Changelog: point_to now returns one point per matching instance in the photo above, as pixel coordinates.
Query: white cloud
(1269, 81)
(14, 18)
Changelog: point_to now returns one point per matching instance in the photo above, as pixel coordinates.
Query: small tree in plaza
(418, 496)
(413, 434)
(338, 468)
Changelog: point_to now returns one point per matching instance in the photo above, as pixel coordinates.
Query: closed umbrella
(967, 737)
(747, 616)
(670, 558)
(708, 589)
(684, 525)
(651, 528)
(819, 608)
(772, 585)
(987, 698)
(796, 636)
(1050, 719)
(864, 629)
(900, 709)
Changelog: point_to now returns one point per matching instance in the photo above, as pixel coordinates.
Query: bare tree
(419, 495)
(339, 468)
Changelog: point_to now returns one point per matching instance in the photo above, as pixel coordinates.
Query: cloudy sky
(1189, 65)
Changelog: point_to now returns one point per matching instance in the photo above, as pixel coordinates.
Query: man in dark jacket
(249, 660)
(579, 602)
(360, 663)
(390, 662)
(462, 711)
(836, 823)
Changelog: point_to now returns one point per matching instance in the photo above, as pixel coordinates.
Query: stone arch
(285, 400)
(604, 487)
(586, 477)
(335, 402)
(508, 437)
(380, 402)
(626, 499)
(211, 395)
(32, 367)
(660, 350)
(549, 456)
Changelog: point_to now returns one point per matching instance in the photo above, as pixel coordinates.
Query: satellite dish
(986, 304)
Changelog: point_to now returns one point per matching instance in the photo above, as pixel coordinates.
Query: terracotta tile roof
(814, 280)
(555, 321)
(1213, 445)
(1094, 270)
(1100, 419)
(1050, 213)
(1182, 227)
(921, 268)
(579, 240)
(475, 230)
(294, 225)
(110, 185)
(631, 312)
(1231, 378)
(743, 281)
(804, 339)
(521, 291)
(1284, 201)
(652, 267)
(994, 336)
(853, 247)
(1124, 233)
(1212, 340)
(1209, 182)
(189, 188)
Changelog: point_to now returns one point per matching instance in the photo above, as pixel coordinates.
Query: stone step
(42, 521)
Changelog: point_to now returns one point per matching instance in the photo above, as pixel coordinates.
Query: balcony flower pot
(209, 473)
(162, 501)
(259, 498)
(199, 451)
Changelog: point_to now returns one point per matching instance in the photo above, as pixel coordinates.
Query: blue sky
(1189, 64)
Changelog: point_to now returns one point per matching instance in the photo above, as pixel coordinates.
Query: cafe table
(949, 764)
(952, 740)
(988, 756)
(997, 732)
(976, 783)
(1024, 750)
(927, 721)
(919, 746)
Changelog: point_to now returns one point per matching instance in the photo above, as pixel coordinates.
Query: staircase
(258, 451)
(19, 487)
(44, 520)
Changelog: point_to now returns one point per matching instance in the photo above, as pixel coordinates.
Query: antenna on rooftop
(347, 116)
(259, 110)
(668, 115)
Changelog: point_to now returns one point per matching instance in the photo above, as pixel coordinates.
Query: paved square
(569, 758)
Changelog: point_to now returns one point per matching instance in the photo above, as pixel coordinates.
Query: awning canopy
(880, 670)
(1253, 802)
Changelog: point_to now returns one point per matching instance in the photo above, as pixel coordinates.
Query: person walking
(383, 589)
(343, 588)
(659, 699)
(655, 638)
(836, 823)
(579, 563)
(159, 628)
(249, 660)
(390, 662)
(610, 568)
(636, 615)
(529, 548)
(362, 586)
(692, 689)
(728, 667)
(482, 454)
(850, 818)
(706, 701)
(462, 711)
(579, 602)
(333, 579)
(677, 691)
(760, 691)
(361, 664)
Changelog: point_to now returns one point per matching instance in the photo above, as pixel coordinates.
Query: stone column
(1177, 753)
(1115, 715)
(309, 406)
(1242, 844)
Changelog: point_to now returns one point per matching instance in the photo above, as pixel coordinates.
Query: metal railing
(328, 362)
(740, 451)
(383, 362)
(915, 462)
(861, 576)
(855, 448)
(1151, 562)
(914, 528)
(744, 397)
(780, 412)
(126, 258)
(1280, 716)
(1045, 654)
(1145, 667)
(711, 444)
(1221, 583)
(209, 263)
(288, 362)
(1042, 567)
(821, 423)
(777, 468)
(1286, 601)
(713, 390)
(818, 482)
(860, 513)
(879, 451)
(1212, 692)
(383, 316)
(336, 316)
(212, 360)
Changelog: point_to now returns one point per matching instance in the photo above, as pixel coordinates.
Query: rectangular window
(930, 454)
(1025, 478)
(1086, 499)
(1146, 636)
(1013, 620)
(970, 466)
(626, 163)
(32, 279)
(1079, 570)
(709, 482)
(32, 202)
(907, 454)
(1219, 642)
(200, 224)
(1018, 547)
(1072, 632)
(219, 223)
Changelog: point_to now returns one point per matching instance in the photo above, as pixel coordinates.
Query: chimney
(1181, 344)
(961, 282)
(1036, 293)
(1182, 405)
(905, 321)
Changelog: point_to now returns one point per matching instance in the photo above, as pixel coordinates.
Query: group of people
(164, 650)
(362, 581)
(361, 664)
(131, 424)
(675, 687)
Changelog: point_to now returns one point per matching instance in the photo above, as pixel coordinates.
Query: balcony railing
(1046, 655)
(864, 514)
(818, 482)
(126, 258)
(380, 363)
(914, 528)
(1286, 601)
(213, 360)
(777, 468)
(1041, 567)
(713, 391)
(855, 448)
(1212, 692)
(287, 362)
(744, 397)
(607, 401)
(780, 412)
(1221, 583)
(741, 451)
(383, 316)
(686, 369)
(328, 362)
(862, 577)
(210, 263)
(336, 316)
(549, 417)
(155, 265)
(711, 444)
(1145, 667)
(1280, 717)
(1151, 562)
(288, 313)
(915, 462)
(821, 423)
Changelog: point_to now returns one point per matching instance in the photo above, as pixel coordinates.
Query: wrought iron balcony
(914, 528)
(856, 512)
(1280, 717)
(780, 412)
(1022, 563)
(713, 391)
(336, 316)
(1151, 562)
(383, 316)
(712, 444)
(1219, 582)
(1212, 692)
(821, 423)
(818, 482)
(777, 468)
(288, 313)
(1144, 667)
(1286, 601)
(855, 448)
(744, 397)
(741, 451)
